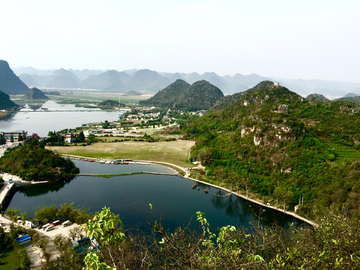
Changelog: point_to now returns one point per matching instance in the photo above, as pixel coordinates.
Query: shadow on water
(41, 189)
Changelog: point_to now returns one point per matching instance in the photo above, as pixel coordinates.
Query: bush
(20, 250)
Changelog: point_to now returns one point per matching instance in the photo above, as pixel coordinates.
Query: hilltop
(317, 97)
(35, 94)
(9, 82)
(180, 95)
(352, 98)
(280, 145)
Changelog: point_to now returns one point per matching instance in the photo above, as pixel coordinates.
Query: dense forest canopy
(31, 161)
(278, 144)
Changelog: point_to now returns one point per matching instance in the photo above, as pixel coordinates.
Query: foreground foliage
(332, 245)
(31, 161)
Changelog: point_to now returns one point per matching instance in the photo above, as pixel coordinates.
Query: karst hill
(182, 96)
(35, 94)
(282, 145)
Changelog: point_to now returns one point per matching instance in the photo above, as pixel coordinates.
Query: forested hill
(31, 161)
(227, 100)
(317, 97)
(355, 99)
(180, 95)
(278, 144)
(6, 103)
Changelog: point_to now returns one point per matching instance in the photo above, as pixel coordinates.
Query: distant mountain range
(146, 80)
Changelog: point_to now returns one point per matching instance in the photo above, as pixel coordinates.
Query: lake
(56, 118)
(172, 197)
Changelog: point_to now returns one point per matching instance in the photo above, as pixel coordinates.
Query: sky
(292, 39)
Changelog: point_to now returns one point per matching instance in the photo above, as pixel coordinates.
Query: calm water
(129, 196)
(41, 122)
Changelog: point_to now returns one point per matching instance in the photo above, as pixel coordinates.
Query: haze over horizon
(307, 39)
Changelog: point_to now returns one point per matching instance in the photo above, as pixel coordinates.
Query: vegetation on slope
(182, 96)
(317, 97)
(279, 145)
(6, 103)
(227, 100)
(31, 161)
(110, 104)
(355, 99)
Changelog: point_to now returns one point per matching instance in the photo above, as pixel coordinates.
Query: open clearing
(176, 152)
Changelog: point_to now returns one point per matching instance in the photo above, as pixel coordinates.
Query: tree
(205, 156)
(12, 213)
(81, 136)
(92, 138)
(220, 174)
(246, 182)
(106, 227)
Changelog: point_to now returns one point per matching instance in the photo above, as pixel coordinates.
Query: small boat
(102, 161)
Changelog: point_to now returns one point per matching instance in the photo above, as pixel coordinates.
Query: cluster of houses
(142, 116)
(13, 136)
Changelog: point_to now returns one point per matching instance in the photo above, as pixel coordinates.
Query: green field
(9, 260)
(175, 152)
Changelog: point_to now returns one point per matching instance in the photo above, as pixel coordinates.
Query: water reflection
(174, 200)
(41, 189)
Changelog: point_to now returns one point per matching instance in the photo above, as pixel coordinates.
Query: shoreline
(239, 195)
(187, 174)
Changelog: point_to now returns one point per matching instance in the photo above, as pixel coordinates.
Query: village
(134, 123)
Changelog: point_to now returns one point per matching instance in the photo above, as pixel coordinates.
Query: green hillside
(285, 147)
(227, 100)
(6, 103)
(181, 96)
(317, 97)
(355, 99)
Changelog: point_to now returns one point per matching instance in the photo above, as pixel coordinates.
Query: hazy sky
(293, 39)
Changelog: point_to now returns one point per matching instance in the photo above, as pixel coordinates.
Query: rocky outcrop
(283, 108)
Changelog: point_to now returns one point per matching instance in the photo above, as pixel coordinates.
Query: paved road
(6, 146)
(4, 191)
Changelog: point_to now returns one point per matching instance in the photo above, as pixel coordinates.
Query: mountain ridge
(180, 95)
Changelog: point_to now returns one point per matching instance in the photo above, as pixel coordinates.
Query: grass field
(9, 260)
(176, 152)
